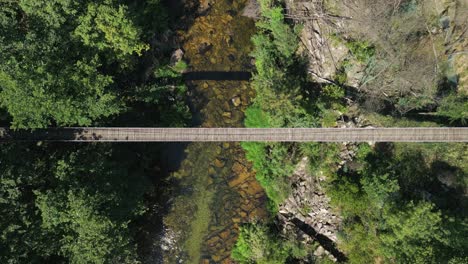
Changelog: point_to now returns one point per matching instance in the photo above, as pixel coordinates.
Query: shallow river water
(218, 190)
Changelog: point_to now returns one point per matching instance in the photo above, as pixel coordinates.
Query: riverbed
(217, 187)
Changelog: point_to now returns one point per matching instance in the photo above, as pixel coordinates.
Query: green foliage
(166, 101)
(282, 36)
(272, 165)
(360, 244)
(458, 260)
(329, 118)
(363, 51)
(35, 98)
(324, 157)
(180, 66)
(60, 59)
(107, 27)
(455, 107)
(386, 213)
(280, 73)
(409, 103)
(73, 204)
(332, 92)
(257, 244)
(412, 233)
(284, 100)
(255, 117)
(363, 151)
(330, 104)
(165, 97)
(52, 13)
(381, 194)
(279, 101)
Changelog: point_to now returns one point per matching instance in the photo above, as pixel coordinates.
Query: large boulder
(252, 9)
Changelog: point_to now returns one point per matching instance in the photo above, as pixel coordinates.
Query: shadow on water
(217, 76)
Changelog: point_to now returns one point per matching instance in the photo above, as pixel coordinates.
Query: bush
(272, 165)
(324, 157)
(257, 244)
(454, 107)
(180, 66)
(256, 117)
(363, 51)
(279, 101)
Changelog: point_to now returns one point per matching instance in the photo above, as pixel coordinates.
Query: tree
(455, 107)
(73, 204)
(22, 238)
(105, 27)
(36, 96)
(411, 233)
(58, 60)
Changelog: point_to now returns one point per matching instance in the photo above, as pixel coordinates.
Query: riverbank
(313, 71)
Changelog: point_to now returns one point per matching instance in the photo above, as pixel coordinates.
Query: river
(217, 188)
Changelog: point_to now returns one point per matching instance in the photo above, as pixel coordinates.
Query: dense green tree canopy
(68, 204)
(65, 63)
(58, 60)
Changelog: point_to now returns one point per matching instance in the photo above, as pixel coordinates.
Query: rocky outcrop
(252, 9)
(306, 215)
(325, 55)
(176, 56)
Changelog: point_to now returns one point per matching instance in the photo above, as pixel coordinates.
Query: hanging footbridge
(130, 134)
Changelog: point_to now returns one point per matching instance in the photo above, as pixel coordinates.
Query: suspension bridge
(131, 134)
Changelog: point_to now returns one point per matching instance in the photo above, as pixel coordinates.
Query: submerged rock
(227, 114)
(236, 101)
(204, 48)
(219, 163)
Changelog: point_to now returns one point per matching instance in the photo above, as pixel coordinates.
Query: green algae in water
(199, 225)
(192, 212)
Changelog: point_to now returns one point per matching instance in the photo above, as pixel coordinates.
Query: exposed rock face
(324, 55)
(349, 149)
(309, 205)
(252, 9)
(176, 56)
(306, 215)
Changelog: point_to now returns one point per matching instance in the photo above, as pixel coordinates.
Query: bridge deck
(120, 134)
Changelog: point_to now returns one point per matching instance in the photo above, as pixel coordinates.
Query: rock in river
(236, 101)
(177, 56)
(219, 163)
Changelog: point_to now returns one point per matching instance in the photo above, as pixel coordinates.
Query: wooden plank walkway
(121, 134)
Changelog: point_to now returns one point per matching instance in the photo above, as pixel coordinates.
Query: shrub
(454, 107)
(363, 51)
(256, 244)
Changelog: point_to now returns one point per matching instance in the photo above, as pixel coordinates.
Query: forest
(110, 63)
(81, 63)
